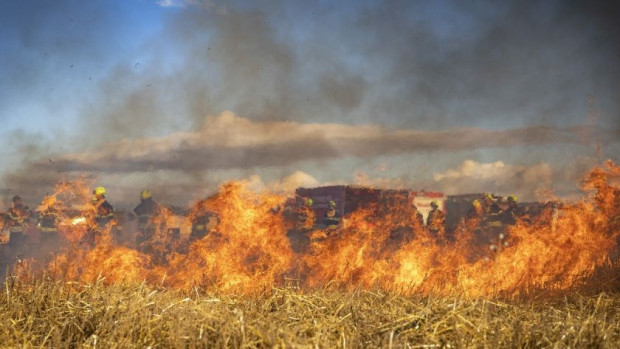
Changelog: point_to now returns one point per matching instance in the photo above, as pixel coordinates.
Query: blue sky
(79, 76)
(59, 50)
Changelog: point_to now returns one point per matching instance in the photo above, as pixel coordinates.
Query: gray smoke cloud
(449, 75)
(231, 142)
(408, 64)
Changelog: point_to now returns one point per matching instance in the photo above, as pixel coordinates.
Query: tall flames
(249, 250)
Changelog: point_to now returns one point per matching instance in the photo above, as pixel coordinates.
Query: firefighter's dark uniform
(18, 220)
(332, 219)
(509, 215)
(48, 226)
(419, 218)
(305, 218)
(104, 214)
(492, 221)
(473, 221)
(435, 221)
(145, 212)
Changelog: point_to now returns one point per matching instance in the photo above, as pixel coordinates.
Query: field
(552, 281)
(58, 314)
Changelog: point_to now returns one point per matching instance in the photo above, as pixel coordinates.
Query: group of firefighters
(19, 218)
(151, 234)
(487, 216)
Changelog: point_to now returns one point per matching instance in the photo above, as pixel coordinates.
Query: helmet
(332, 203)
(308, 202)
(512, 198)
(434, 203)
(100, 191)
(145, 194)
(476, 203)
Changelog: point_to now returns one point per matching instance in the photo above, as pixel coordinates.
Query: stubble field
(41, 313)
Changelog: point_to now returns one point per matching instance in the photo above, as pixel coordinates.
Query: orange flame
(248, 251)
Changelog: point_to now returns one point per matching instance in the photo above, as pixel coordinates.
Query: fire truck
(349, 198)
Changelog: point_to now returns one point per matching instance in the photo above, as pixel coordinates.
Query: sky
(511, 97)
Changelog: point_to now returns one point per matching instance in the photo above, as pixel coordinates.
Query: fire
(78, 220)
(248, 252)
(245, 248)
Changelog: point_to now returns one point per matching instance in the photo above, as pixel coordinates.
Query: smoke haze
(198, 92)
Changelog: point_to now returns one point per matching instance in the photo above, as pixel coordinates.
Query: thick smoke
(450, 76)
(445, 65)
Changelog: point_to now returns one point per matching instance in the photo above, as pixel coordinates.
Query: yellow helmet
(100, 191)
(512, 198)
(476, 203)
(434, 203)
(309, 202)
(145, 194)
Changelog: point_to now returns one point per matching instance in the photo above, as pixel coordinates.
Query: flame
(248, 250)
(78, 220)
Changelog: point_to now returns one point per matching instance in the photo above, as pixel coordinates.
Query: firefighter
(490, 206)
(305, 215)
(104, 214)
(104, 211)
(492, 219)
(332, 218)
(19, 218)
(475, 211)
(436, 219)
(510, 214)
(48, 225)
(145, 212)
(419, 218)
(200, 226)
(474, 219)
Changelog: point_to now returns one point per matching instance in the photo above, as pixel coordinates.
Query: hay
(43, 313)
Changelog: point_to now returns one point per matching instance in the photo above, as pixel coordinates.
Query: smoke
(228, 141)
(311, 82)
(186, 165)
(414, 65)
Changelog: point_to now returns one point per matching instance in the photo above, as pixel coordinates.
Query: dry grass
(57, 314)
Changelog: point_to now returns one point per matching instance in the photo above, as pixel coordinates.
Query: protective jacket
(105, 212)
(436, 219)
(331, 219)
(305, 217)
(145, 211)
(18, 216)
(48, 222)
